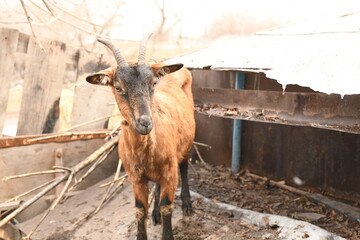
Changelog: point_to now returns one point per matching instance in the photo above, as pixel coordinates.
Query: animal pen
(307, 139)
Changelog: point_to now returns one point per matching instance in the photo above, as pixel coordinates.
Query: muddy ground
(219, 184)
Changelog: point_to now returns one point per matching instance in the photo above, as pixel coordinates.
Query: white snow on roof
(323, 55)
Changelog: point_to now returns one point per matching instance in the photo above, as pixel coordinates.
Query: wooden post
(90, 101)
(42, 87)
(8, 44)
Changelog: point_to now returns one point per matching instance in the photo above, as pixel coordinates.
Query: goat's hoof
(187, 208)
(156, 217)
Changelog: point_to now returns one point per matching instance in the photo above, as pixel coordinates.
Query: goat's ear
(161, 70)
(104, 77)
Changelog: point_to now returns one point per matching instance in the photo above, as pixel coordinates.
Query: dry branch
(31, 26)
(8, 206)
(280, 184)
(69, 13)
(53, 205)
(77, 26)
(75, 135)
(29, 202)
(92, 168)
(89, 122)
(202, 144)
(152, 194)
(107, 196)
(343, 208)
(66, 176)
(199, 155)
(113, 132)
(32, 174)
(193, 168)
(113, 181)
(30, 191)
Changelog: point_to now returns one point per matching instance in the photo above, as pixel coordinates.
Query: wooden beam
(345, 209)
(297, 109)
(51, 137)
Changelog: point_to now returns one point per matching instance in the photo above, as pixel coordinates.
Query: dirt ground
(212, 219)
(209, 223)
(219, 184)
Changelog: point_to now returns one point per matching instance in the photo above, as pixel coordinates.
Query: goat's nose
(145, 120)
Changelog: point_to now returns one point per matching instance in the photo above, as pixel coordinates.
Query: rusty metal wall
(320, 160)
(214, 131)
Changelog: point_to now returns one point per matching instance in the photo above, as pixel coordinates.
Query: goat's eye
(120, 90)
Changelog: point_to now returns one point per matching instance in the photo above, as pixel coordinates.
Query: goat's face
(133, 87)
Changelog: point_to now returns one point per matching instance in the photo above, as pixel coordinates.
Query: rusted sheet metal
(45, 138)
(299, 109)
(313, 159)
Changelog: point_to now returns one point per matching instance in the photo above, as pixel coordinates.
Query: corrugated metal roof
(323, 54)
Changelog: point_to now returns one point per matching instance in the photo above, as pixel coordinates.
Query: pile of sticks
(69, 176)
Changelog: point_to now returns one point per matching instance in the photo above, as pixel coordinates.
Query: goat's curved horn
(142, 50)
(116, 51)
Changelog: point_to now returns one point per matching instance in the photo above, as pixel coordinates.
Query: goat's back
(174, 115)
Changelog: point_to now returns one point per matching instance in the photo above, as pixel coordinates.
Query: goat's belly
(156, 170)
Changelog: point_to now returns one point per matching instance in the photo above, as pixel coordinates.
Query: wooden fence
(43, 76)
(45, 73)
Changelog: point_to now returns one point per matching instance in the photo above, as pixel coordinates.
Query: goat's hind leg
(185, 192)
(156, 211)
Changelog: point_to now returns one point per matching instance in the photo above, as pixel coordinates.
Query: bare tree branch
(13, 22)
(71, 14)
(76, 26)
(31, 26)
(30, 191)
(32, 174)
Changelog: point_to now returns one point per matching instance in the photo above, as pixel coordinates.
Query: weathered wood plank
(90, 102)
(8, 45)
(6, 142)
(347, 210)
(42, 87)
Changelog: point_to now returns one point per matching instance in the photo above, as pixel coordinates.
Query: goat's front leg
(141, 204)
(167, 195)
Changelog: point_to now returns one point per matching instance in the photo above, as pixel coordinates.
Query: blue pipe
(237, 129)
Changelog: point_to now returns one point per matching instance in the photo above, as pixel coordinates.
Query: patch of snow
(288, 228)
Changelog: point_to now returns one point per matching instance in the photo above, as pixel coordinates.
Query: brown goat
(156, 103)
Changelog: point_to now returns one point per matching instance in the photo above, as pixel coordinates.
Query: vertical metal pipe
(237, 129)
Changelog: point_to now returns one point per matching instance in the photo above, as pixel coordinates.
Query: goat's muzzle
(144, 124)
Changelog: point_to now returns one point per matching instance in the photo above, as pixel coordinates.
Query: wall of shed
(323, 160)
